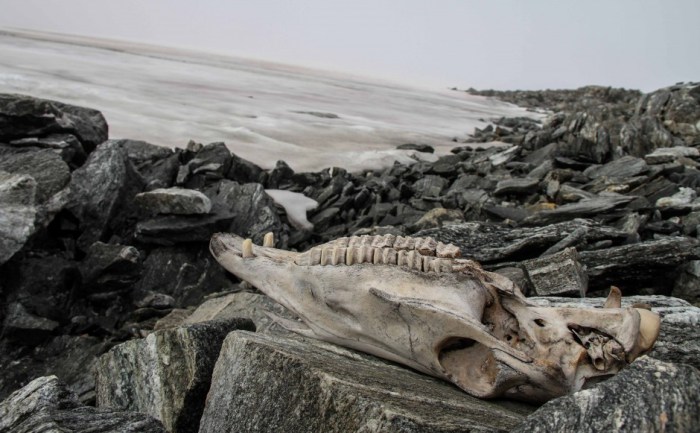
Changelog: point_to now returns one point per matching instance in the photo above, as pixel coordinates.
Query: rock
(170, 230)
(687, 284)
(323, 219)
(46, 405)
(210, 164)
(446, 165)
(429, 186)
(47, 168)
(647, 396)
(186, 273)
(280, 177)
(516, 214)
(66, 145)
(516, 275)
(166, 375)
(24, 327)
(501, 158)
(581, 209)
(627, 166)
(516, 186)
(24, 116)
(157, 165)
(680, 200)
(557, 274)
(243, 171)
(642, 134)
(108, 267)
(17, 212)
(438, 217)
(102, 192)
(669, 154)
(267, 383)
(253, 306)
(178, 201)
(419, 147)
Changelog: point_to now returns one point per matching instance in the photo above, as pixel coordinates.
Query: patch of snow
(296, 205)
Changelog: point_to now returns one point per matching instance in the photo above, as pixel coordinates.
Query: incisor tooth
(247, 249)
(269, 240)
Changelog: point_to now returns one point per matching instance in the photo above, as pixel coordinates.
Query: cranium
(416, 302)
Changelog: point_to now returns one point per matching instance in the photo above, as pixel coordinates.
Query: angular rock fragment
(581, 209)
(647, 396)
(110, 267)
(669, 154)
(263, 383)
(177, 201)
(157, 165)
(166, 375)
(27, 328)
(524, 185)
(627, 166)
(45, 405)
(557, 274)
(17, 212)
(47, 168)
(66, 145)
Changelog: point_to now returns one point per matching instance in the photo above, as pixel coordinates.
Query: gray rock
(157, 165)
(166, 375)
(178, 201)
(102, 192)
(243, 171)
(429, 186)
(581, 209)
(109, 267)
(17, 212)
(47, 168)
(642, 134)
(25, 327)
(683, 199)
(67, 145)
(438, 217)
(669, 154)
(557, 274)
(627, 166)
(265, 383)
(45, 405)
(209, 164)
(525, 185)
(687, 284)
(24, 116)
(647, 396)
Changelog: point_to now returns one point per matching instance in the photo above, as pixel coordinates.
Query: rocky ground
(114, 314)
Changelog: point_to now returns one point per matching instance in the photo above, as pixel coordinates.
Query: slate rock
(687, 284)
(642, 134)
(45, 405)
(516, 186)
(108, 267)
(557, 274)
(17, 212)
(171, 230)
(627, 166)
(581, 209)
(47, 168)
(178, 201)
(669, 154)
(267, 383)
(166, 375)
(429, 186)
(243, 171)
(25, 116)
(446, 165)
(647, 396)
(22, 326)
(102, 193)
(157, 165)
(425, 148)
(66, 145)
(209, 165)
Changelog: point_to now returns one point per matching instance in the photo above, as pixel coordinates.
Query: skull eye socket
(541, 323)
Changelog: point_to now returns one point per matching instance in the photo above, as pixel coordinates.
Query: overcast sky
(502, 44)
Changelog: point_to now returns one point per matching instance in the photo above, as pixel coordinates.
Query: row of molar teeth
(425, 246)
(349, 256)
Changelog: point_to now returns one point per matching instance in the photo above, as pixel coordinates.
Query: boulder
(557, 274)
(66, 145)
(17, 212)
(22, 326)
(687, 284)
(166, 375)
(102, 193)
(243, 171)
(47, 168)
(178, 201)
(209, 164)
(647, 396)
(109, 267)
(45, 405)
(25, 116)
(157, 165)
(265, 383)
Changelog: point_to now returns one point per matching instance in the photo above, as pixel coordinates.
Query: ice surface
(263, 111)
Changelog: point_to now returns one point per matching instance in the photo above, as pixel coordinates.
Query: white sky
(504, 44)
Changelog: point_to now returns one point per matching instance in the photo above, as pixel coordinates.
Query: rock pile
(104, 242)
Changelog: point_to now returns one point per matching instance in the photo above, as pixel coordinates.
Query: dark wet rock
(560, 273)
(266, 382)
(678, 107)
(425, 148)
(280, 177)
(157, 165)
(23, 116)
(166, 375)
(322, 220)
(47, 168)
(176, 229)
(647, 396)
(108, 267)
(187, 273)
(429, 186)
(641, 135)
(22, 326)
(581, 209)
(102, 193)
(516, 214)
(177, 201)
(669, 154)
(66, 145)
(210, 164)
(243, 171)
(17, 212)
(46, 405)
(627, 166)
(516, 186)
(447, 165)
(687, 284)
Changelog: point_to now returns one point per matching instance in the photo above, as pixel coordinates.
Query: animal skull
(416, 302)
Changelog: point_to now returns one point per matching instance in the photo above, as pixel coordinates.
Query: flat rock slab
(524, 185)
(647, 396)
(177, 201)
(45, 405)
(166, 374)
(264, 383)
(557, 274)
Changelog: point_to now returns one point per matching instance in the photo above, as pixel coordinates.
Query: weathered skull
(414, 301)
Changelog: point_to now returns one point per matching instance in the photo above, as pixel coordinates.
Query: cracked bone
(463, 324)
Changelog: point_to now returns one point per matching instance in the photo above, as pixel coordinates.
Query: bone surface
(415, 302)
